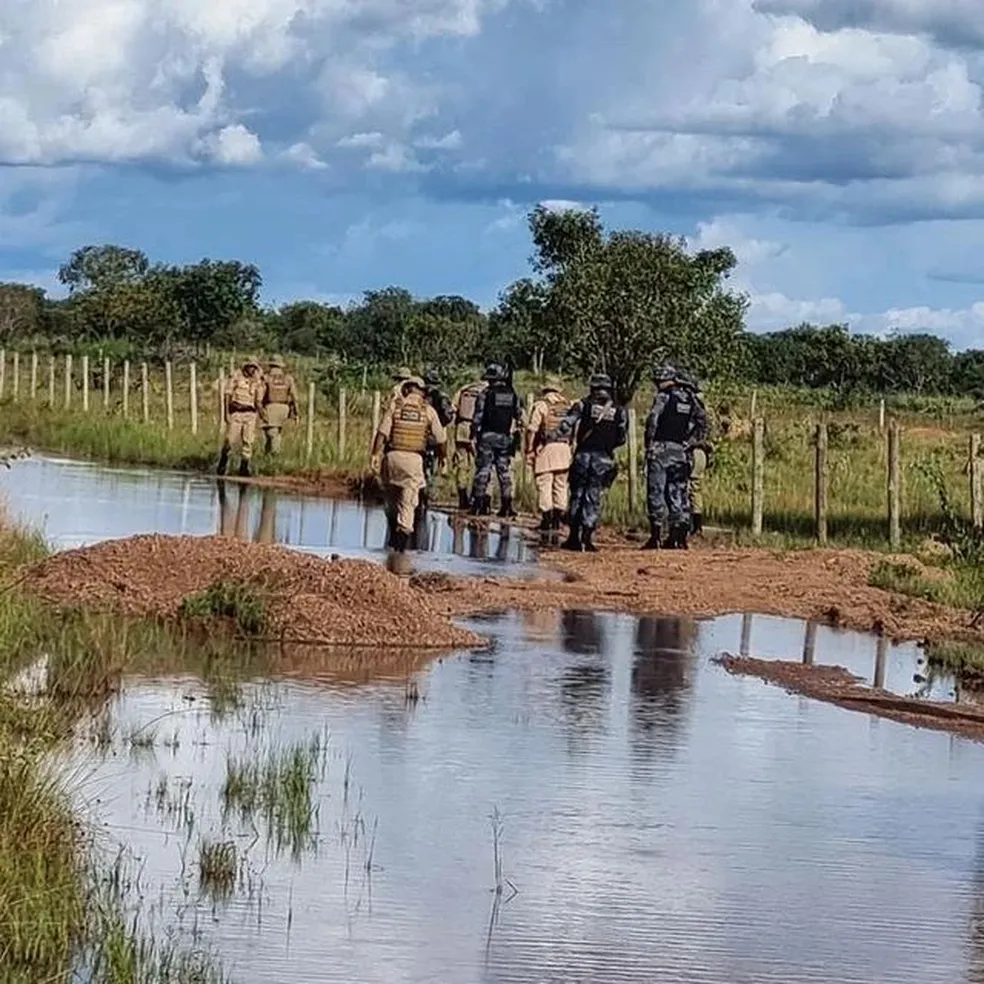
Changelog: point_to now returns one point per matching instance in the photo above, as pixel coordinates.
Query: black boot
(654, 542)
(244, 469)
(400, 540)
(587, 544)
(556, 518)
(506, 510)
(464, 499)
(573, 542)
(677, 539)
(485, 506)
(546, 522)
(697, 524)
(223, 466)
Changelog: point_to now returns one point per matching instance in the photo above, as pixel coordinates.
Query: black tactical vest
(674, 422)
(499, 411)
(598, 429)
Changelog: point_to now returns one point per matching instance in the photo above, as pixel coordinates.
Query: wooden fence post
(85, 383)
(145, 391)
(633, 461)
(342, 413)
(820, 484)
(15, 380)
(976, 481)
(51, 382)
(34, 375)
(758, 474)
(107, 369)
(881, 415)
(310, 421)
(221, 399)
(68, 380)
(376, 415)
(3, 370)
(193, 395)
(894, 485)
(169, 394)
(126, 388)
(753, 406)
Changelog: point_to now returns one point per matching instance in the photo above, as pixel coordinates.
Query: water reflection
(585, 684)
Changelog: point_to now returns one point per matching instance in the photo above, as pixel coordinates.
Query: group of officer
(570, 446)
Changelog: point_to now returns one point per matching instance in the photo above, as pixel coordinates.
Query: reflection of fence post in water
(333, 524)
(810, 644)
(881, 654)
(745, 646)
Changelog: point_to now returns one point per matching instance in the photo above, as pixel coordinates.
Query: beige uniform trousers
(276, 417)
(403, 477)
(241, 431)
(550, 469)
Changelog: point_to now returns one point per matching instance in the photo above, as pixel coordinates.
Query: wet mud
(835, 685)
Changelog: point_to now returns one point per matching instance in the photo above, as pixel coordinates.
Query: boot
(573, 542)
(223, 466)
(244, 469)
(654, 541)
(677, 539)
(556, 519)
(546, 521)
(697, 524)
(506, 508)
(400, 540)
(464, 499)
(586, 542)
(485, 506)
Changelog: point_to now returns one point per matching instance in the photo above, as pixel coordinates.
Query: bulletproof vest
(441, 405)
(557, 407)
(466, 403)
(500, 410)
(410, 425)
(242, 391)
(598, 430)
(674, 422)
(278, 387)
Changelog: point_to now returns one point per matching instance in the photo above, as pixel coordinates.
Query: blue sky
(836, 145)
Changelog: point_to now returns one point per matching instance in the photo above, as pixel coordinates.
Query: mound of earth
(345, 602)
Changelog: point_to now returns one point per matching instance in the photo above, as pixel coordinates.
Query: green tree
(102, 267)
(214, 296)
(22, 310)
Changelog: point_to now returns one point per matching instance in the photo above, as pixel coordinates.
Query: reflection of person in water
(662, 679)
(975, 931)
(266, 531)
(584, 684)
(234, 514)
(542, 626)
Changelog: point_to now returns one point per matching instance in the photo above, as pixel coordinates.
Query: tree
(22, 310)
(379, 328)
(629, 299)
(213, 296)
(102, 267)
(310, 328)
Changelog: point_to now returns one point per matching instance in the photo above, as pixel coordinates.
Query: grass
(218, 869)
(239, 603)
(279, 791)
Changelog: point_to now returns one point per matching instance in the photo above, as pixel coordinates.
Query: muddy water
(658, 819)
(79, 503)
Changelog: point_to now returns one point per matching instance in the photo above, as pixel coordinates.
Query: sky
(344, 145)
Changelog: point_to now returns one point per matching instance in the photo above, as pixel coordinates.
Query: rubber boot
(573, 542)
(464, 499)
(506, 510)
(546, 522)
(654, 542)
(244, 469)
(697, 524)
(587, 544)
(223, 466)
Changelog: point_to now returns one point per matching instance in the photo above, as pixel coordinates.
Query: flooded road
(79, 503)
(653, 819)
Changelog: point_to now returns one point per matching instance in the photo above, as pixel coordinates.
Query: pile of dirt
(311, 600)
(835, 685)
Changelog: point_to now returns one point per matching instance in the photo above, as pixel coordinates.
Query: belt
(239, 408)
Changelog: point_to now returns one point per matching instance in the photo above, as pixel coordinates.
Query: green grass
(218, 869)
(241, 604)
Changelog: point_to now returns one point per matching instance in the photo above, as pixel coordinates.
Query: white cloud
(748, 251)
(303, 155)
(450, 141)
(235, 145)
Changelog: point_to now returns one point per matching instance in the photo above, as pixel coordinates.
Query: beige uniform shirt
(404, 468)
(552, 457)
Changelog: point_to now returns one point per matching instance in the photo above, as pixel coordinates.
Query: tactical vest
(674, 422)
(242, 391)
(500, 410)
(278, 388)
(466, 403)
(410, 426)
(442, 406)
(557, 407)
(598, 429)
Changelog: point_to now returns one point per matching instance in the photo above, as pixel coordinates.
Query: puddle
(80, 503)
(657, 819)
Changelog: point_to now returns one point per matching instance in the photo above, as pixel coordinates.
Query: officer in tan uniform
(398, 451)
(399, 378)
(241, 403)
(463, 452)
(549, 454)
(279, 403)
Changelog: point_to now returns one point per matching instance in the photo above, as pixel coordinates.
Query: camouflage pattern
(494, 451)
(592, 474)
(667, 484)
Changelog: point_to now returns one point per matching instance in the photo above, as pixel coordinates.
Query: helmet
(494, 373)
(251, 363)
(410, 382)
(600, 381)
(665, 374)
(402, 374)
(431, 378)
(276, 362)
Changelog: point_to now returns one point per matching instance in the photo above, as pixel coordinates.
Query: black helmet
(665, 374)
(600, 381)
(431, 378)
(494, 373)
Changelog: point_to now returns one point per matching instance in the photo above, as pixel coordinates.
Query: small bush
(241, 603)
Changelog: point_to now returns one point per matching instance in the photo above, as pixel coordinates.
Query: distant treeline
(615, 301)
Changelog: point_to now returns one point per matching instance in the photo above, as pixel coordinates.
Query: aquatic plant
(218, 868)
(241, 603)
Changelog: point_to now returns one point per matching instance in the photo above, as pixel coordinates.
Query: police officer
(701, 457)
(463, 453)
(676, 422)
(598, 427)
(549, 455)
(444, 409)
(498, 414)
